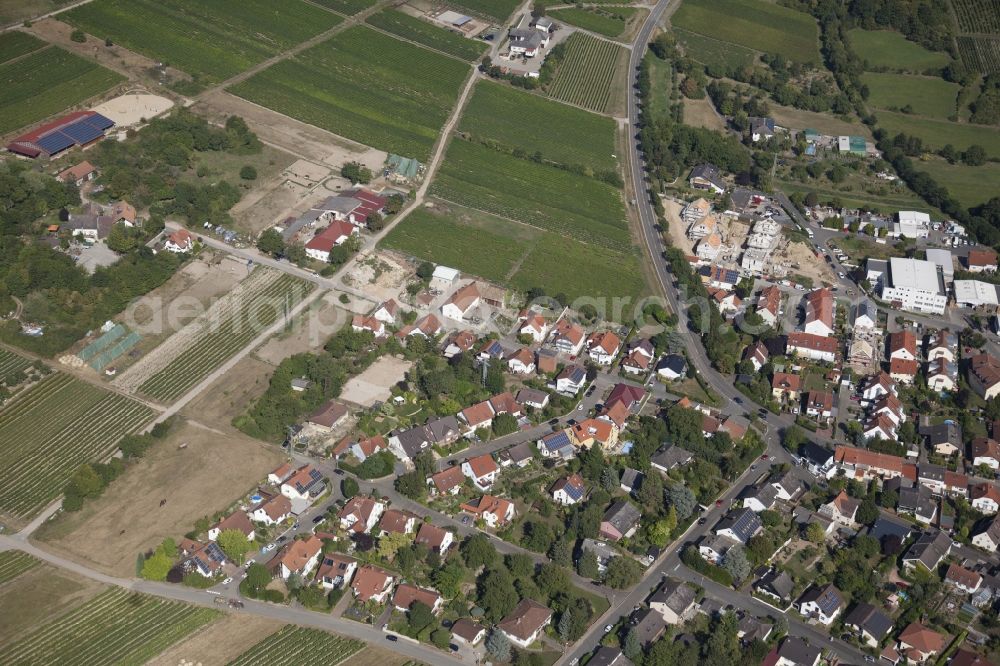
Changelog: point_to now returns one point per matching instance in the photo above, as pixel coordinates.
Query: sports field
(970, 185)
(532, 123)
(756, 24)
(588, 73)
(298, 646)
(366, 86)
(612, 22)
(926, 95)
(46, 82)
(719, 55)
(514, 254)
(888, 48)
(937, 133)
(428, 34)
(15, 44)
(211, 40)
(53, 428)
(536, 194)
(116, 627)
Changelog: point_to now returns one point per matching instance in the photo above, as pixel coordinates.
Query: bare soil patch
(219, 642)
(38, 595)
(382, 275)
(296, 137)
(133, 108)
(231, 394)
(309, 331)
(801, 260)
(205, 477)
(373, 384)
(676, 226)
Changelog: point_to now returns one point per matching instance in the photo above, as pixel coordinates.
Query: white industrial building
(911, 224)
(943, 259)
(915, 285)
(975, 293)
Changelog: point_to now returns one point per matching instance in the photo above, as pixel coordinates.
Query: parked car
(392, 638)
(228, 580)
(318, 519)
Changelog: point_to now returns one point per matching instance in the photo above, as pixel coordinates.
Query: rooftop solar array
(55, 138)
(55, 142)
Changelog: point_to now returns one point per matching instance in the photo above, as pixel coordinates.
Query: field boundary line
(410, 41)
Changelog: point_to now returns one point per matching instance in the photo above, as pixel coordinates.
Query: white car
(228, 580)
(268, 548)
(841, 276)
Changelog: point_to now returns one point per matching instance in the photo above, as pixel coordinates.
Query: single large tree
(234, 544)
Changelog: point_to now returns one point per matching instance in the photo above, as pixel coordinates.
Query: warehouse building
(915, 285)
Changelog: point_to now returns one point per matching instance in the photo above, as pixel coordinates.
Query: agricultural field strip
(117, 626)
(13, 563)
(559, 132)
(711, 51)
(178, 342)
(15, 44)
(980, 52)
(366, 86)
(591, 20)
(426, 34)
(584, 78)
(499, 10)
(92, 422)
(11, 362)
(534, 194)
(346, 7)
(977, 16)
(45, 82)
(215, 40)
(299, 646)
(218, 344)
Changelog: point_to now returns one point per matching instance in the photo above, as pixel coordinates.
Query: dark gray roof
(790, 481)
(632, 478)
(743, 523)
(886, 527)
(941, 433)
(414, 440)
(754, 629)
(917, 501)
(673, 362)
(929, 549)
(766, 124)
(603, 551)
(623, 515)
(828, 598)
(797, 651)
(443, 428)
(933, 472)
(608, 656)
(815, 453)
(765, 494)
(648, 626)
(519, 452)
(708, 172)
(677, 596)
(671, 457)
(778, 583)
(869, 618)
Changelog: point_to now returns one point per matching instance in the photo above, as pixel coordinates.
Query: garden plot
(301, 647)
(192, 353)
(53, 428)
(115, 627)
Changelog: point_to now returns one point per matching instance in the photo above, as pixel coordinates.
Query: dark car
(338, 472)
(738, 400)
(318, 519)
(392, 638)
(554, 422)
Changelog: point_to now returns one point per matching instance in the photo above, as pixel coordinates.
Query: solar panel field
(116, 627)
(46, 82)
(211, 40)
(53, 428)
(366, 86)
(299, 646)
(192, 353)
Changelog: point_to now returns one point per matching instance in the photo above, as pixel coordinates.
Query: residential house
(300, 557)
(406, 595)
(372, 584)
(985, 498)
(397, 521)
(407, 444)
(648, 626)
(446, 482)
(785, 387)
(321, 245)
(823, 604)
(668, 458)
(524, 624)
(695, 210)
(674, 601)
(179, 241)
(462, 302)
(918, 643)
(869, 623)
(483, 471)
(568, 490)
(428, 326)
(769, 305)
(863, 464)
(494, 511)
(702, 227)
(707, 177)
(989, 538)
(878, 386)
(981, 260)
(386, 312)
(363, 323)
(963, 657)
(942, 375)
(533, 325)
(436, 539)
(813, 347)
(205, 558)
(620, 521)
(776, 584)
(985, 451)
(927, 551)
(672, 367)
(491, 350)
(603, 347)
(761, 129)
(945, 439)
(917, 500)
(713, 547)
(891, 407)
(533, 398)
(841, 509)
(984, 376)
(932, 477)
(793, 651)
(459, 343)
(879, 426)
(942, 344)
(757, 354)
(328, 416)
(818, 312)
(590, 431)
(639, 357)
(305, 483)
(335, 571)
(788, 486)
(864, 316)
(367, 447)
(464, 630)
(525, 42)
(567, 337)
(963, 579)
(816, 458)
(631, 480)
(479, 415)
(81, 173)
(740, 525)
(557, 444)
(903, 370)
(360, 514)
(758, 498)
(861, 356)
(272, 511)
(570, 380)
(237, 520)
(521, 362)
(819, 405)
(602, 551)
(709, 247)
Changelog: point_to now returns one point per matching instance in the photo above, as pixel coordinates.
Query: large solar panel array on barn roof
(74, 129)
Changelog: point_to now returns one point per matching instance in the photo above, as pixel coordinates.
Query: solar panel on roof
(99, 121)
(54, 142)
(82, 133)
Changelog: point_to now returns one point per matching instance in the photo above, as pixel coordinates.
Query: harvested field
(200, 479)
(231, 394)
(51, 429)
(38, 595)
(720, 56)
(115, 627)
(218, 643)
(374, 384)
(191, 354)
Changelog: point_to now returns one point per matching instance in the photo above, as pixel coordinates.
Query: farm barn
(80, 128)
